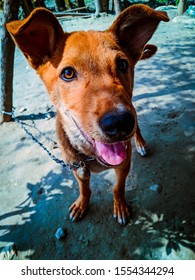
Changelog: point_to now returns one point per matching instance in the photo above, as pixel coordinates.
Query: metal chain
(70, 167)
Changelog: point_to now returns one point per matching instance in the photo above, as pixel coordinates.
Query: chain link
(70, 167)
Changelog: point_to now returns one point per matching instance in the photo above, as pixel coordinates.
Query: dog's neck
(74, 154)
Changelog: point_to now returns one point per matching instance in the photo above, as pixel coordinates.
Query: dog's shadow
(149, 235)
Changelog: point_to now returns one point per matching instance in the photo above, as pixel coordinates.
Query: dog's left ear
(134, 27)
(148, 51)
(37, 35)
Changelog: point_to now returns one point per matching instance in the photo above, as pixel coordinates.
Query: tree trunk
(98, 7)
(68, 4)
(27, 6)
(39, 3)
(105, 5)
(117, 7)
(182, 7)
(80, 3)
(101, 6)
(7, 60)
(59, 5)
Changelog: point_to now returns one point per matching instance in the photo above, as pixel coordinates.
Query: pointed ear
(135, 26)
(37, 35)
(148, 51)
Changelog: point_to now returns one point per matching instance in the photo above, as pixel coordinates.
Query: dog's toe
(78, 209)
(122, 221)
(140, 143)
(122, 212)
(142, 150)
(76, 214)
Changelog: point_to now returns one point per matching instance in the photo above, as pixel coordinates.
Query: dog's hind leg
(140, 143)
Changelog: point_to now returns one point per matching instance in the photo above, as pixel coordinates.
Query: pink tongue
(113, 154)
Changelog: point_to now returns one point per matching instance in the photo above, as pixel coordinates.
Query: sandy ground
(36, 192)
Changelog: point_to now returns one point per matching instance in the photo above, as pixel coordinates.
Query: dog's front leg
(121, 208)
(79, 207)
(140, 143)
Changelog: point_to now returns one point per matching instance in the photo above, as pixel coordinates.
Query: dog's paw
(140, 143)
(122, 212)
(141, 149)
(78, 209)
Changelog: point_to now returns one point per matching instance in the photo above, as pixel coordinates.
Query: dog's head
(90, 75)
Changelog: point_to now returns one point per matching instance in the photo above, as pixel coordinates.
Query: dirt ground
(36, 192)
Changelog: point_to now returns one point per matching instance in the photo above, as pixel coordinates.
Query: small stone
(81, 238)
(156, 188)
(22, 139)
(60, 233)
(55, 146)
(22, 109)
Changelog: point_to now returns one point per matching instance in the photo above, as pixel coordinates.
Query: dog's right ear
(36, 36)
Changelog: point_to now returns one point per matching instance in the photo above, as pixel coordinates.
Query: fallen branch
(77, 9)
(71, 14)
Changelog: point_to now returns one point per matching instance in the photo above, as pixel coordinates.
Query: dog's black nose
(117, 123)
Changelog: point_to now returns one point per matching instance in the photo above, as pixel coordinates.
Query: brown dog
(90, 76)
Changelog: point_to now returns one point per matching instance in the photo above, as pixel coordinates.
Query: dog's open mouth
(110, 154)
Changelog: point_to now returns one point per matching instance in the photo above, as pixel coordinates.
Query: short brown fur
(97, 88)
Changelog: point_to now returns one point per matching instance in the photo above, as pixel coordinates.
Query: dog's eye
(122, 65)
(68, 74)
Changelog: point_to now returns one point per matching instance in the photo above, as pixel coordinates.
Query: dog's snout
(117, 124)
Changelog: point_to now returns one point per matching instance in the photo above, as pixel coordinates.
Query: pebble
(156, 188)
(81, 238)
(60, 233)
(55, 146)
(22, 109)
